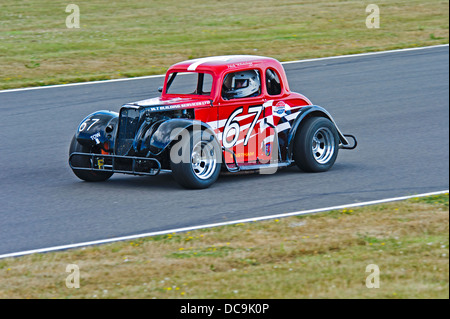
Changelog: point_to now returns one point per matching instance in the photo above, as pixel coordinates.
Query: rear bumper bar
(349, 146)
(116, 164)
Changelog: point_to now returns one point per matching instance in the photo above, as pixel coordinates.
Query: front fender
(160, 135)
(98, 128)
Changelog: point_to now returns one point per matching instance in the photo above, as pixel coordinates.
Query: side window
(273, 82)
(241, 84)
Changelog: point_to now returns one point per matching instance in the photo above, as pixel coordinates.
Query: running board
(264, 166)
(255, 167)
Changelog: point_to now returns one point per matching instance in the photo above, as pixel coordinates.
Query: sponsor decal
(100, 163)
(279, 108)
(268, 149)
(96, 138)
(246, 154)
(179, 106)
(239, 65)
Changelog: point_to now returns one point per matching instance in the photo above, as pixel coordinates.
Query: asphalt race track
(397, 104)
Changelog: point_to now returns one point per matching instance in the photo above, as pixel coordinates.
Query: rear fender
(98, 128)
(305, 113)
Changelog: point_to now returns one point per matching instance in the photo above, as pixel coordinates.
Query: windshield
(192, 83)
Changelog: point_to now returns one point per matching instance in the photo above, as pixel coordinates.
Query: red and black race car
(232, 113)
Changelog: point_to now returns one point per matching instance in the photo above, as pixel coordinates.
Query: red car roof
(218, 64)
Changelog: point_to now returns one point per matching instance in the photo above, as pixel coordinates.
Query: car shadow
(165, 180)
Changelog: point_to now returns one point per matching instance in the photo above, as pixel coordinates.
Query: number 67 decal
(84, 124)
(233, 125)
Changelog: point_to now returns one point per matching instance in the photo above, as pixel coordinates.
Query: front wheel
(86, 175)
(200, 166)
(316, 145)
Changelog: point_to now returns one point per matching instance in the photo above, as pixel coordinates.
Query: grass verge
(313, 256)
(118, 39)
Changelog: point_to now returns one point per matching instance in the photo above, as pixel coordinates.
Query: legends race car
(231, 113)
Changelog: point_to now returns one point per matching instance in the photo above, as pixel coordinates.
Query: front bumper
(116, 164)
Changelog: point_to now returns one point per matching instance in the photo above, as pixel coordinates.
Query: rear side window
(273, 83)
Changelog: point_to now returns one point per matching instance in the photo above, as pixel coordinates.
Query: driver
(242, 84)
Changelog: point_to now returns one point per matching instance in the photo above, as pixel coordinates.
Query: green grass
(435, 199)
(119, 39)
(313, 256)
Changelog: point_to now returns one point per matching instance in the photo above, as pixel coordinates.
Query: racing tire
(316, 145)
(86, 175)
(200, 166)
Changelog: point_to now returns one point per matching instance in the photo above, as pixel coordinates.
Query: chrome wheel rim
(203, 160)
(323, 145)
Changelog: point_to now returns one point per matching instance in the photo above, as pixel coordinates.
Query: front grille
(128, 126)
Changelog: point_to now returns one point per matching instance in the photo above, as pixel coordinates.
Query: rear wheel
(200, 167)
(316, 145)
(78, 161)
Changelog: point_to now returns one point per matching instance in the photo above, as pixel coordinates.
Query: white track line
(247, 220)
(367, 54)
(162, 75)
(83, 83)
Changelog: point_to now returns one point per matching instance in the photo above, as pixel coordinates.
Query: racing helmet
(244, 84)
